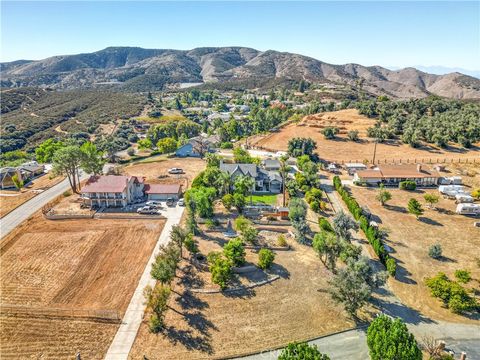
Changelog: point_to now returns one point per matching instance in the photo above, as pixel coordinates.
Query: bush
(301, 351)
(241, 223)
(265, 258)
(353, 135)
(130, 151)
(226, 145)
(281, 240)
(190, 244)
(210, 224)
(235, 252)
(249, 234)
(325, 224)
(227, 201)
(407, 185)
(391, 266)
(220, 268)
(315, 206)
(435, 251)
(389, 339)
(463, 276)
(67, 193)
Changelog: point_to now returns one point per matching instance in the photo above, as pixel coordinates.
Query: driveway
(27, 209)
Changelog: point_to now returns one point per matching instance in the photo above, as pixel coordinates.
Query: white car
(175, 171)
(150, 210)
(181, 202)
(153, 203)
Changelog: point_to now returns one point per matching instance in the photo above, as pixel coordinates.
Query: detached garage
(163, 191)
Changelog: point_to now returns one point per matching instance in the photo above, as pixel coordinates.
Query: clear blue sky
(369, 33)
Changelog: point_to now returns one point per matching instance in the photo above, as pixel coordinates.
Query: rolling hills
(138, 69)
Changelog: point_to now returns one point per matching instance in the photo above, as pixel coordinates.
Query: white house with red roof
(112, 190)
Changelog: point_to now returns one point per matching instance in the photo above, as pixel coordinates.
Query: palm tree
(224, 182)
(284, 168)
(244, 184)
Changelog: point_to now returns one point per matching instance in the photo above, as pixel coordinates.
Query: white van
(468, 209)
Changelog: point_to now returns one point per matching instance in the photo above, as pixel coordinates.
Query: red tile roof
(107, 183)
(398, 171)
(162, 188)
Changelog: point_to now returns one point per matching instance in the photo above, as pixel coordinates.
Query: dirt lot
(294, 307)
(153, 169)
(341, 149)
(411, 238)
(70, 264)
(13, 199)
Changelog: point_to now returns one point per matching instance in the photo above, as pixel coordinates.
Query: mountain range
(151, 69)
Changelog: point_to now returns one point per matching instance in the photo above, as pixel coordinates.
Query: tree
(431, 199)
(297, 214)
(111, 146)
(352, 286)
(249, 234)
(228, 201)
(163, 269)
(265, 258)
(224, 182)
(389, 339)
(414, 207)
(301, 146)
(244, 185)
(463, 276)
(45, 151)
(353, 135)
(145, 144)
(235, 252)
(220, 268)
(328, 248)
(167, 145)
(92, 160)
(17, 181)
(301, 351)
(157, 301)
(66, 161)
(330, 132)
(239, 201)
(284, 168)
(241, 156)
(190, 244)
(178, 236)
(435, 251)
(342, 224)
(213, 160)
(383, 195)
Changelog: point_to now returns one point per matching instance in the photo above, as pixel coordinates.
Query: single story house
(112, 190)
(352, 168)
(198, 146)
(264, 181)
(392, 175)
(271, 164)
(24, 172)
(163, 191)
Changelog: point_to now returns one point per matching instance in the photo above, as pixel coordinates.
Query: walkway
(123, 341)
(27, 209)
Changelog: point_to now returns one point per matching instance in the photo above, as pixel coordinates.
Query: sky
(392, 34)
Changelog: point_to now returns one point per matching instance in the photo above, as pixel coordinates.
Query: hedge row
(370, 232)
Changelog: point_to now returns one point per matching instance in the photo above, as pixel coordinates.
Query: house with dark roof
(265, 181)
(112, 191)
(198, 146)
(271, 164)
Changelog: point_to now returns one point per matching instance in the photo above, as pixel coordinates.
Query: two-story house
(264, 181)
(112, 190)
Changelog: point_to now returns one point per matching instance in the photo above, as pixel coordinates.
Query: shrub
(281, 240)
(241, 223)
(391, 266)
(463, 276)
(227, 201)
(407, 185)
(389, 339)
(249, 234)
(210, 224)
(414, 207)
(265, 258)
(353, 135)
(301, 351)
(67, 193)
(226, 145)
(235, 252)
(220, 268)
(130, 151)
(315, 206)
(435, 251)
(190, 244)
(325, 224)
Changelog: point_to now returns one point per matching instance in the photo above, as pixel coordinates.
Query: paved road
(24, 211)
(123, 340)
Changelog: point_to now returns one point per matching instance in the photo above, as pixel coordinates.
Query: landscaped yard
(411, 238)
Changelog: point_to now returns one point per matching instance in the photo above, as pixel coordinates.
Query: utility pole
(374, 151)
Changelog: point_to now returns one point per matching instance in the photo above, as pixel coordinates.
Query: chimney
(419, 167)
(463, 355)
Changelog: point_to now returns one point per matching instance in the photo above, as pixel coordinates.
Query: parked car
(170, 202)
(181, 202)
(150, 210)
(156, 204)
(175, 171)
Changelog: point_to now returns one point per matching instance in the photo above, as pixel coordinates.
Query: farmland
(411, 238)
(342, 149)
(71, 266)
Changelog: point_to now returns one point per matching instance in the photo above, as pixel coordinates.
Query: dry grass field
(411, 238)
(15, 198)
(153, 169)
(341, 149)
(75, 265)
(198, 326)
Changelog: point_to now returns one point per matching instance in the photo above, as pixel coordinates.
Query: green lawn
(266, 199)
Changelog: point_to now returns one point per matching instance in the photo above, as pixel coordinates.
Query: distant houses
(198, 146)
(25, 173)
